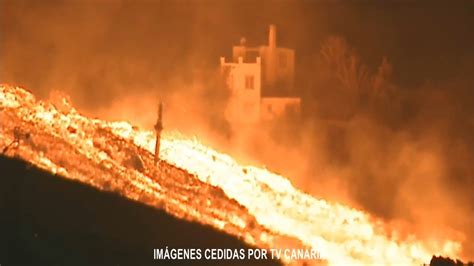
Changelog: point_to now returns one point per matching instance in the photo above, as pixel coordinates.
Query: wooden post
(158, 129)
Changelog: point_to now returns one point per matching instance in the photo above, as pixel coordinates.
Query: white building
(261, 82)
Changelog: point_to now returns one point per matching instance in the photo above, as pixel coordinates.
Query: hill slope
(50, 220)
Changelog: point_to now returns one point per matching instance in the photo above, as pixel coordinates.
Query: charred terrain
(51, 220)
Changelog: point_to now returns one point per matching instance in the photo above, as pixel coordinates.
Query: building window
(249, 80)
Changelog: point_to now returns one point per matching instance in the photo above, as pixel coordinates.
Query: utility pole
(158, 129)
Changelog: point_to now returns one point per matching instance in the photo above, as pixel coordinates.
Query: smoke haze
(405, 155)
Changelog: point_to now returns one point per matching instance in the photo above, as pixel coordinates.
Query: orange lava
(341, 234)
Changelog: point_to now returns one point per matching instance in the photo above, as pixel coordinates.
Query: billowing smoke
(405, 156)
(392, 136)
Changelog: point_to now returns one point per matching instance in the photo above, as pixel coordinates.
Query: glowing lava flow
(342, 235)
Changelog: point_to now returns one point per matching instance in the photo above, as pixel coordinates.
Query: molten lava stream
(342, 235)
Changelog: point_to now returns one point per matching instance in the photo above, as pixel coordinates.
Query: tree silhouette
(345, 64)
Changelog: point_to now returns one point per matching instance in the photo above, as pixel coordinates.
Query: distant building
(261, 82)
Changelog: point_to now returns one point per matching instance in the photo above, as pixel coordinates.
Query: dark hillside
(48, 220)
